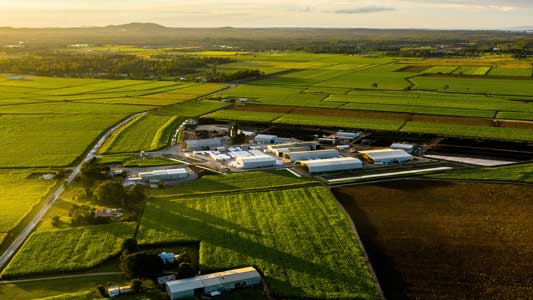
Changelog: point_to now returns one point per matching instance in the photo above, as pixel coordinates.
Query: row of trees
(217, 76)
(107, 65)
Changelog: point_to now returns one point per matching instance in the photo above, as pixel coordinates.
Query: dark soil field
(441, 240)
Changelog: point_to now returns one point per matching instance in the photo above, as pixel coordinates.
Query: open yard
(442, 240)
(298, 238)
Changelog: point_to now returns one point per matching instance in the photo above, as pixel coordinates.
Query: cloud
(363, 10)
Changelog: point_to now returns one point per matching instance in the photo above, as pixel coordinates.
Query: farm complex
(313, 177)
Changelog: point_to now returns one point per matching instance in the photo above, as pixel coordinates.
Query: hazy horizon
(386, 14)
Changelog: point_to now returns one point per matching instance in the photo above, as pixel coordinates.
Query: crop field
(18, 195)
(467, 241)
(472, 70)
(516, 173)
(76, 249)
(440, 70)
(495, 133)
(511, 71)
(89, 295)
(192, 109)
(235, 183)
(348, 122)
(298, 238)
(238, 115)
(145, 133)
(475, 86)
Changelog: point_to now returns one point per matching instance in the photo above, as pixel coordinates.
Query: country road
(5, 257)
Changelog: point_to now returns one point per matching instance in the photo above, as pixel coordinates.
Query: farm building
(281, 149)
(167, 257)
(386, 156)
(203, 144)
(331, 164)
(119, 291)
(265, 139)
(161, 175)
(254, 162)
(212, 284)
(164, 279)
(409, 148)
(309, 155)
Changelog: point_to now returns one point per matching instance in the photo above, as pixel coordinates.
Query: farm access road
(6, 256)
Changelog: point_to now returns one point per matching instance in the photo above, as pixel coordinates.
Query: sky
(442, 14)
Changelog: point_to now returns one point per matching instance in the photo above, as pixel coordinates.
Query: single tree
(130, 245)
(135, 195)
(110, 192)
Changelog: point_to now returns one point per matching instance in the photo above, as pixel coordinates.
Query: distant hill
(146, 27)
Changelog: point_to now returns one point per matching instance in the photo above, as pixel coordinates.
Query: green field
(89, 295)
(494, 133)
(235, 183)
(472, 70)
(298, 238)
(68, 250)
(18, 195)
(516, 173)
(510, 71)
(347, 122)
(475, 86)
(440, 69)
(249, 116)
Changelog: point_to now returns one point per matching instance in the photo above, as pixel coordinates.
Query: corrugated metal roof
(213, 279)
(259, 158)
(383, 154)
(331, 161)
(307, 155)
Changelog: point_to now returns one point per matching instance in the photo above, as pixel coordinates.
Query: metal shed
(203, 144)
(253, 162)
(215, 282)
(386, 156)
(308, 155)
(331, 164)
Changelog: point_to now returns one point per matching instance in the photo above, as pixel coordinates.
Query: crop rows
(298, 238)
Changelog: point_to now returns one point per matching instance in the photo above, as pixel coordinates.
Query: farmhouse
(203, 144)
(213, 284)
(255, 162)
(386, 156)
(331, 164)
(309, 155)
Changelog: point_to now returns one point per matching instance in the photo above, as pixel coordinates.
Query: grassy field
(250, 116)
(475, 86)
(472, 70)
(440, 69)
(18, 195)
(517, 173)
(495, 133)
(510, 71)
(467, 241)
(234, 183)
(348, 122)
(299, 238)
(88, 295)
(76, 249)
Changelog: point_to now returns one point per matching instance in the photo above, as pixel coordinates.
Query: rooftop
(212, 279)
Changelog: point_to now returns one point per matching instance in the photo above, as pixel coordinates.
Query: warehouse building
(409, 148)
(331, 164)
(213, 284)
(386, 156)
(265, 139)
(309, 155)
(204, 144)
(345, 135)
(281, 149)
(163, 175)
(255, 162)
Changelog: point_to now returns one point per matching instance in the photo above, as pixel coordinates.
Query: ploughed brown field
(446, 240)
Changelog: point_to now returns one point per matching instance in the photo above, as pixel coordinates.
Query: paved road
(6, 256)
(60, 277)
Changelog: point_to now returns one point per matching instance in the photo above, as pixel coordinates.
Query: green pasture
(511, 71)
(299, 239)
(472, 70)
(475, 85)
(340, 122)
(68, 250)
(20, 192)
(237, 182)
(440, 70)
(516, 173)
(240, 115)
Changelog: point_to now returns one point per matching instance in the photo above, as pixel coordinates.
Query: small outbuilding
(213, 283)
(331, 164)
(255, 162)
(265, 139)
(309, 155)
(386, 156)
(345, 135)
(409, 148)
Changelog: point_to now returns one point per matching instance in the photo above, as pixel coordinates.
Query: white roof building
(169, 174)
(254, 162)
(332, 164)
(347, 135)
(265, 139)
(386, 156)
(203, 144)
(402, 146)
(209, 283)
(309, 155)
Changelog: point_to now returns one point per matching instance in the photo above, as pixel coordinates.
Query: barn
(211, 284)
(203, 144)
(255, 162)
(309, 155)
